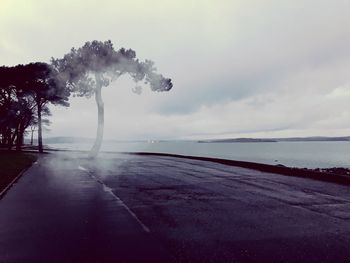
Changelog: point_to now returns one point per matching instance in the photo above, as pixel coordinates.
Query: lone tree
(84, 71)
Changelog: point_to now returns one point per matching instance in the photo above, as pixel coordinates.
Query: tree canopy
(84, 71)
(98, 63)
(25, 91)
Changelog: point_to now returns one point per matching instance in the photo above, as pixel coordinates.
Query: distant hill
(68, 140)
(237, 140)
(53, 140)
(292, 139)
(314, 139)
(62, 139)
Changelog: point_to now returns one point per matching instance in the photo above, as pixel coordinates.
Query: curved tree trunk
(100, 119)
(31, 138)
(12, 139)
(19, 139)
(40, 136)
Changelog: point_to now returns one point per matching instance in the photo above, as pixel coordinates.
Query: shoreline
(309, 155)
(316, 173)
(339, 175)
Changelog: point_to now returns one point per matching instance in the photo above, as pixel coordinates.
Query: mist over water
(294, 154)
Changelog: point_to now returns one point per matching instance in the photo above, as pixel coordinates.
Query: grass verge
(11, 164)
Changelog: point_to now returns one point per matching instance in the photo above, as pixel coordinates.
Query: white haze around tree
(86, 70)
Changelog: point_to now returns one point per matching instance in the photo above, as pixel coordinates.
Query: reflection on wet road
(160, 208)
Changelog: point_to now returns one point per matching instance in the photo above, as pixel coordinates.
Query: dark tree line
(25, 92)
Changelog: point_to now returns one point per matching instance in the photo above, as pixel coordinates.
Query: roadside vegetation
(11, 164)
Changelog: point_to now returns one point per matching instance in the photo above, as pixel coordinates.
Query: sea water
(293, 154)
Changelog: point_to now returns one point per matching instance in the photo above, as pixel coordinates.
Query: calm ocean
(295, 154)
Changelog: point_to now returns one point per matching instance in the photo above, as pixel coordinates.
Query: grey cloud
(232, 88)
(239, 67)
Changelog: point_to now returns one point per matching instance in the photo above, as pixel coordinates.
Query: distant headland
(290, 139)
(63, 139)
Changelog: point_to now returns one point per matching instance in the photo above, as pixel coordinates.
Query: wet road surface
(126, 208)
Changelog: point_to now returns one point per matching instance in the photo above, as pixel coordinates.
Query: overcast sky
(239, 67)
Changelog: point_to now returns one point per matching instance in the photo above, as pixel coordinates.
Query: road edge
(4, 191)
(283, 170)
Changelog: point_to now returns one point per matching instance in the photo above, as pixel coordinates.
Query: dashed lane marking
(119, 201)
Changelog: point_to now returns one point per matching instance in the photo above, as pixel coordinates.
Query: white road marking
(119, 201)
(83, 169)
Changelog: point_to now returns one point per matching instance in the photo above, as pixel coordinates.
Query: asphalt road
(126, 208)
